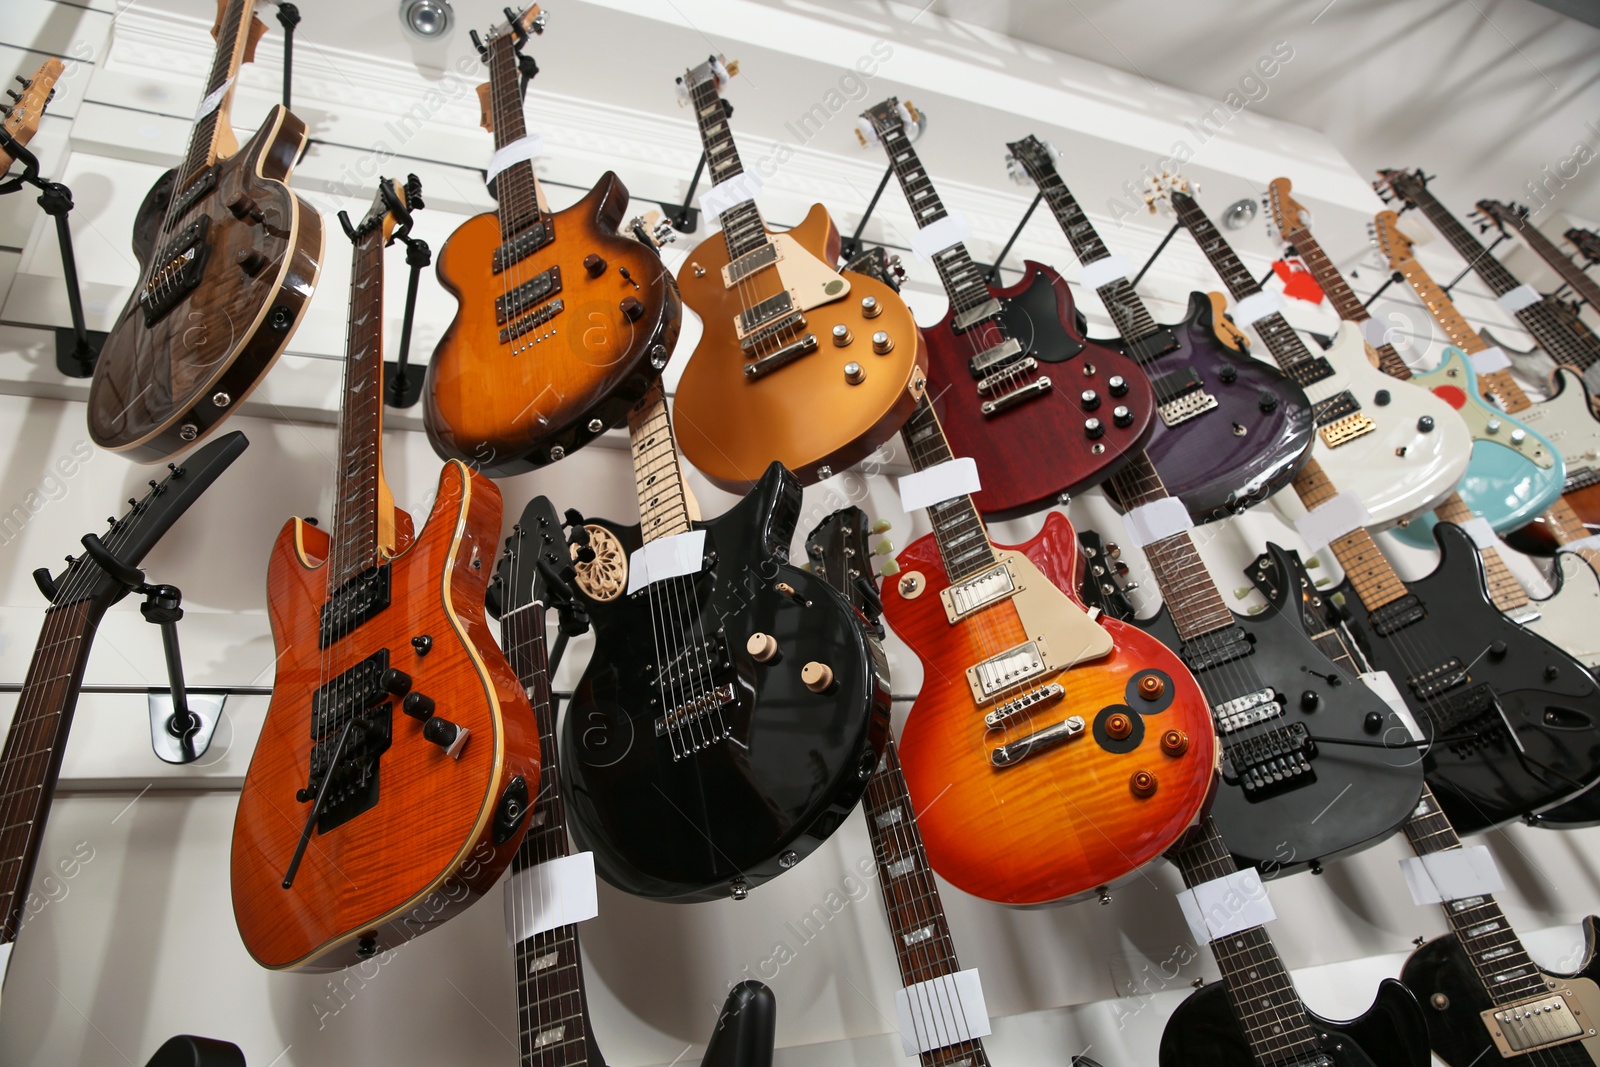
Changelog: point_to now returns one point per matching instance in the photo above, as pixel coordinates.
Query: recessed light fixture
(1239, 214)
(427, 19)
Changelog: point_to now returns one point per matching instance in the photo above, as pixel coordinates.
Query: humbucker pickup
(966, 320)
(534, 319)
(1216, 648)
(1271, 761)
(1011, 668)
(747, 264)
(1537, 1023)
(994, 356)
(761, 314)
(1152, 345)
(353, 603)
(978, 592)
(1233, 715)
(1334, 408)
(1039, 698)
(1438, 679)
(545, 283)
(1346, 430)
(1397, 615)
(335, 702)
(196, 189)
(524, 245)
(1009, 755)
(1311, 372)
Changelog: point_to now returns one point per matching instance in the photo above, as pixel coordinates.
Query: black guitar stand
(1394, 276)
(1160, 248)
(991, 272)
(288, 18)
(180, 729)
(851, 246)
(76, 348)
(402, 383)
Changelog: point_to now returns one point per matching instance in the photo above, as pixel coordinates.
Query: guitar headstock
(1409, 186)
(1289, 216)
(390, 211)
(22, 117)
(1586, 241)
(1162, 191)
(716, 71)
(1391, 241)
(519, 580)
(132, 536)
(839, 552)
(877, 262)
(532, 20)
(1105, 577)
(887, 119)
(1031, 160)
(1499, 214)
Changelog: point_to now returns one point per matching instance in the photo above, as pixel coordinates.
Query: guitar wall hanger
(288, 18)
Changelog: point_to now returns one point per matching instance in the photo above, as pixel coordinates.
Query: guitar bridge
(182, 264)
(1180, 396)
(545, 283)
(1039, 698)
(781, 358)
(534, 319)
(353, 787)
(1020, 395)
(1014, 753)
(1346, 430)
(695, 724)
(1537, 1023)
(1270, 763)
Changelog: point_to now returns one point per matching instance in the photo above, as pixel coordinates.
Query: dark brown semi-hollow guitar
(228, 257)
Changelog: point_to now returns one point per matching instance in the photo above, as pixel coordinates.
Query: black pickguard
(1204, 1032)
(1452, 997)
(1542, 694)
(746, 807)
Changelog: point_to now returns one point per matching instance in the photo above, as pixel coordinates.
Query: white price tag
(555, 893)
(1480, 531)
(1257, 306)
(1339, 516)
(941, 482)
(941, 1011)
(524, 149)
(665, 557)
(938, 236)
(1523, 296)
(1105, 271)
(1451, 875)
(1490, 360)
(1226, 905)
(213, 100)
(1157, 521)
(1592, 541)
(729, 194)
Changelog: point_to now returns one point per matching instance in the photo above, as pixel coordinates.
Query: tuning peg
(664, 233)
(24, 82)
(881, 526)
(1241, 591)
(883, 548)
(1313, 562)
(538, 23)
(1113, 550)
(13, 94)
(888, 568)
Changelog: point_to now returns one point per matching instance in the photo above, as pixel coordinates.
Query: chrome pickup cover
(1009, 669)
(1236, 714)
(1534, 1024)
(978, 592)
(972, 316)
(749, 263)
(994, 355)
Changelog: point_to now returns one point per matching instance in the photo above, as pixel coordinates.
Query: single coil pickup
(195, 190)
(1534, 1024)
(1346, 430)
(1397, 615)
(1269, 762)
(353, 603)
(1010, 755)
(784, 356)
(1234, 715)
(1007, 670)
(353, 787)
(182, 264)
(533, 320)
(1039, 698)
(545, 283)
(792, 321)
(1334, 408)
(695, 724)
(1152, 345)
(1438, 679)
(749, 263)
(979, 591)
(994, 356)
(1007, 375)
(962, 321)
(1580, 478)
(1216, 648)
(1020, 395)
(1311, 372)
(761, 314)
(1186, 408)
(338, 701)
(523, 245)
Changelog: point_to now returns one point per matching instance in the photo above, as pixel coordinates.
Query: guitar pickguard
(809, 281)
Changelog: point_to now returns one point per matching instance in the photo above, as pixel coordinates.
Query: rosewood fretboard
(963, 540)
(358, 526)
(232, 40)
(515, 187)
(742, 228)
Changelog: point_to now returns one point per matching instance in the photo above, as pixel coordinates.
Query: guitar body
(1567, 419)
(1244, 449)
(730, 797)
(428, 844)
(1030, 454)
(1441, 975)
(160, 387)
(1281, 827)
(508, 406)
(1204, 1032)
(805, 414)
(1507, 482)
(1480, 775)
(1567, 616)
(1065, 820)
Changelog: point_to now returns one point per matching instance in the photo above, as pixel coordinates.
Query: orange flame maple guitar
(390, 786)
(1049, 753)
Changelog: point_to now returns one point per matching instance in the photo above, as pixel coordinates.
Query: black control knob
(1425, 424)
(422, 643)
(595, 265)
(1117, 385)
(1551, 672)
(395, 681)
(417, 706)
(1093, 428)
(1267, 401)
(251, 261)
(1090, 399)
(245, 208)
(1497, 650)
(1229, 373)
(1381, 398)
(441, 732)
(1122, 416)
(1309, 701)
(1372, 722)
(632, 308)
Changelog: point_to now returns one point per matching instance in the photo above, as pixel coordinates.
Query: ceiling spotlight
(428, 19)
(1239, 214)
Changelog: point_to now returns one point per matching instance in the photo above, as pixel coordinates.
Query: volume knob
(1117, 385)
(446, 734)
(1090, 399)
(594, 264)
(418, 706)
(632, 308)
(1093, 428)
(395, 681)
(1121, 416)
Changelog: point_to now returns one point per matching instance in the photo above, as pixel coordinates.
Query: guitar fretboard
(356, 526)
(1506, 592)
(232, 38)
(1358, 554)
(516, 191)
(1585, 287)
(742, 228)
(1288, 351)
(963, 540)
(1342, 297)
(1259, 987)
(658, 479)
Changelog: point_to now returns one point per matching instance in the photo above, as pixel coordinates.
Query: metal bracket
(171, 741)
(851, 246)
(1162, 247)
(288, 18)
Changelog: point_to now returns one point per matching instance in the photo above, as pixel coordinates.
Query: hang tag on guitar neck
(1522, 297)
(940, 482)
(1157, 521)
(213, 100)
(1226, 905)
(524, 149)
(1257, 306)
(1103, 272)
(937, 236)
(941, 1012)
(1489, 360)
(1480, 531)
(724, 196)
(666, 557)
(558, 892)
(1333, 519)
(1453, 874)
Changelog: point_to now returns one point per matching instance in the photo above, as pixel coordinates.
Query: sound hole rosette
(606, 576)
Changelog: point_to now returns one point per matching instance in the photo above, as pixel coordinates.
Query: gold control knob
(763, 648)
(882, 343)
(854, 373)
(842, 335)
(1151, 687)
(1118, 727)
(1174, 743)
(870, 308)
(817, 676)
(1142, 784)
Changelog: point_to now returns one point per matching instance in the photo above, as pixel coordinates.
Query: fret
(516, 187)
(743, 230)
(232, 40)
(1369, 571)
(355, 544)
(1506, 592)
(663, 502)
(1342, 297)
(963, 539)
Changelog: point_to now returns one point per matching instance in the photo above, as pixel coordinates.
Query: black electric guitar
(734, 707)
(552, 1006)
(1256, 1017)
(1297, 739)
(189, 1051)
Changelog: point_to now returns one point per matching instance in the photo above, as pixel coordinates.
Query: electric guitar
(398, 743)
(1515, 217)
(1041, 410)
(228, 258)
(27, 108)
(79, 597)
(552, 1005)
(1065, 751)
(1295, 739)
(1399, 450)
(1542, 316)
(797, 363)
(561, 324)
(734, 705)
(1231, 430)
(1255, 1016)
(188, 1051)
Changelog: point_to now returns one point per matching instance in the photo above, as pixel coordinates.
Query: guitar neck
(516, 190)
(742, 228)
(922, 943)
(1582, 284)
(1288, 351)
(1342, 297)
(233, 38)
(963, 540)
(1498, 957)
(1506, 592)
(1187, 590)
(361, 530)
(1566, 527)
(1358, 554)
(31, 759)
(1263, 996)
(657, 475)
(963, 281)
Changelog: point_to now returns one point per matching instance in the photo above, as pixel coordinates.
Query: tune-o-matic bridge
(545, 283)
(535, 318)
(353, 603)
(1008, 400)
(1180, 396)
(801, 346)
(180, 266)
(1006, 375)
(523, 245)
(1536, 1023)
